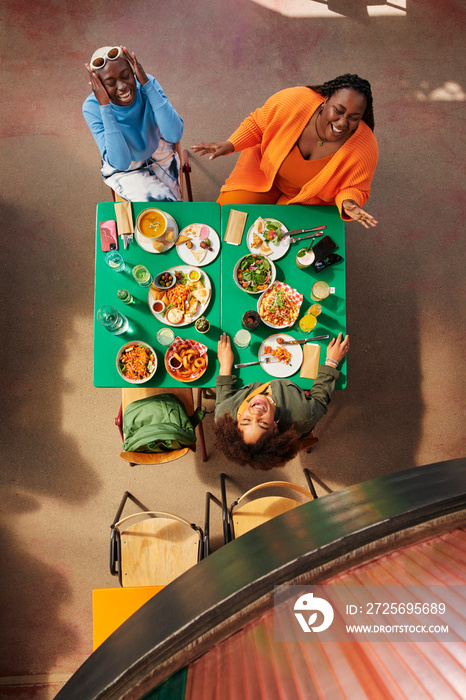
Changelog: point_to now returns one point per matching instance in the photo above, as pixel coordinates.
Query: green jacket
(158, 424)
(293, 406)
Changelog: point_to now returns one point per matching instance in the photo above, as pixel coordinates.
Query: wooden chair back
(250, 511)
(156, 548)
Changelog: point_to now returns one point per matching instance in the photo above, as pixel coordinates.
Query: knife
(304, 340)
(296, 231)
(303, 238)
(265, 360)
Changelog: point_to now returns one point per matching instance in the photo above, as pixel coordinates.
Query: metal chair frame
(115, 536)
(228, 511)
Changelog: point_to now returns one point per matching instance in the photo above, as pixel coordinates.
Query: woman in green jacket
(261, 424)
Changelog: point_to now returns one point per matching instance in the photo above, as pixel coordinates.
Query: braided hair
(353, 82)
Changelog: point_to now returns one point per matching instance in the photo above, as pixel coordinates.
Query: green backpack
(159, 424)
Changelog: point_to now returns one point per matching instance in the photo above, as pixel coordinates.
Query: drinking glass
(304, 258)
(112, 320)
(142, 275)
(165, 336)
(242, 338)
(115, 260)
(320, 291)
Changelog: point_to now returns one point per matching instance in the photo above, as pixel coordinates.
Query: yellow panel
(113, 606)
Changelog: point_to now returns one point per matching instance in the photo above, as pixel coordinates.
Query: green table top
(235, 302)
(228, 302)
(143, 325)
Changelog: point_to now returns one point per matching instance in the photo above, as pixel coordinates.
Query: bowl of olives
(164, 280)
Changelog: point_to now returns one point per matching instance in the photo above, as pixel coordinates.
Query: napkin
(124, 218)
(235, 227)
(311, 360)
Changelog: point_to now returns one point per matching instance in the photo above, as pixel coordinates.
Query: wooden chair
(185, 170)
(251, 510)
(152, 548)
(128, 395)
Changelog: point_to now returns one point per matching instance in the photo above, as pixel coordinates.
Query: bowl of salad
(254, 273)
(136, 362)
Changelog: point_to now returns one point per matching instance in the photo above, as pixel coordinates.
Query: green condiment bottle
(125, 296)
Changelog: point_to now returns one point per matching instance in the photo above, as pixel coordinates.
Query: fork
(264, 360)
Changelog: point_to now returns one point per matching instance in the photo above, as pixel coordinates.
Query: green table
(235, 302)
(143, 325)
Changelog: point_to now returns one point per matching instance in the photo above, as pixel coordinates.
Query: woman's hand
(225, 355)
(97, 86)
(138, 70)
(355, 212)
(221, 148)
(337, 348)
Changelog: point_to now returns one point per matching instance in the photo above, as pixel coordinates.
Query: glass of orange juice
(307, 323)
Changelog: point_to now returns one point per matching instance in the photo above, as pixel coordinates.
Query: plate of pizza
(198, 244)
(185, 301)
(267, 237)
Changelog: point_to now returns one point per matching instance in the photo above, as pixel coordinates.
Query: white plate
(280, 369)
(202, 307)
(186, 254)
(278, 251)
(271, 325)
(146, 243)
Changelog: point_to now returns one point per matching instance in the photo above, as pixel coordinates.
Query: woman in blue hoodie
(134, 126)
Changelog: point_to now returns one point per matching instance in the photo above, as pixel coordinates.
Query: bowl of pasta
(279, 305)
(186, 360)
(136, 362)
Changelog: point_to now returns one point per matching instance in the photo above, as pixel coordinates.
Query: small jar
(251, 320)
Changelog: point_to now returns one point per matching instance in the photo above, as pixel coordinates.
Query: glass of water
(112, 320)
(115, 261)
(142, 275)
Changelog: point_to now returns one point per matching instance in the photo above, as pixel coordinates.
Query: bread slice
(182, 239)
(265, 249)
(158, 246)
(199, 255)
(202, 295)
(169, 236)
(256, 240)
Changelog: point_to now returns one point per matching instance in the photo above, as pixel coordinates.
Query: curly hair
(274, 449)
(353, 82)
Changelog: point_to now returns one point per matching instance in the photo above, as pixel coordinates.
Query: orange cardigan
(267, 136)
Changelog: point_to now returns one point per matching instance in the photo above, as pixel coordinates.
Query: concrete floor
(62, 478)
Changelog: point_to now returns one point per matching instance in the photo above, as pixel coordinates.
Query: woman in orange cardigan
(306, 145)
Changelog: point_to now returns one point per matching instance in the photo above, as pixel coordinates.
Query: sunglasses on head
(112, 54)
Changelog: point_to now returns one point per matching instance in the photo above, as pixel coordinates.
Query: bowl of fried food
(279, 305)
(186, 360)
(136, 362)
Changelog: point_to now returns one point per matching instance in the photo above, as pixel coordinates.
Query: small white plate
(186, 254)
(279, 250)
(202, 307)
(146, 243)
(280, 369)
